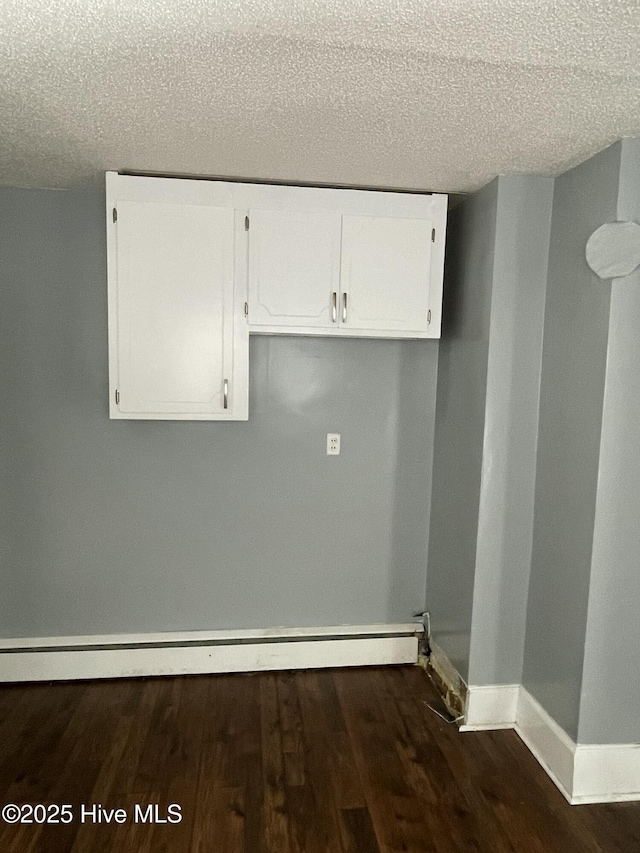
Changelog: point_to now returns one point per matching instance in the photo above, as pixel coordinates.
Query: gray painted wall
(414, 459)
(611, 678)
(459, 427)
(486, 427)
(505, 525)
(571, 406)
(125, 526)
(533, 561)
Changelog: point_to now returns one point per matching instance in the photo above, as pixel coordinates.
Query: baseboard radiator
(200, 652)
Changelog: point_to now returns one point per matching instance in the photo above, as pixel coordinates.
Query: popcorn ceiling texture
(401, 93)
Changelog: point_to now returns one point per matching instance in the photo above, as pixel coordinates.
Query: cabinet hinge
(429, 316)
(246, 223)
(115, 215)
(246, 309)
(117, 396)
(433, 235)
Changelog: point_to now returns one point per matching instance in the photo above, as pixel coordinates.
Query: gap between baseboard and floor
(584, 773)
(205, 652)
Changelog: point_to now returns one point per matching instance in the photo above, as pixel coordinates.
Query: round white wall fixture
(613, 250)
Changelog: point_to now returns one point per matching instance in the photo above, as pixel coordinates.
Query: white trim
(606, 773)
(119, 656)
(548, 742)
(492, 706)
(584, 773)
(342, 332)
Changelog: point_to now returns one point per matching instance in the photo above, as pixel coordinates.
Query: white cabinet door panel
(294, 267)
(385, 273)
(175, 272)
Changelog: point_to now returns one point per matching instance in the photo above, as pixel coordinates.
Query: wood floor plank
(618, 822)
(398, 819)
(224, 826)
(34, 735)
(125, 788)
(97, 708)
(327, 744)
(185, 749)
(358, 833)
(254, 804)
(157, 747)
(309, 832)
(125, 774)
(344, 761)
(441, 795)
(315, 819)
(230, 784)
(275, 823)
(347, 784)
(94, 836)
(292, 730)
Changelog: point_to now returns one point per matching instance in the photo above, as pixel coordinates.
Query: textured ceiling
(424, 94)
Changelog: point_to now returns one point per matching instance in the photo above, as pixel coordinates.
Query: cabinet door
(175, 285)
(385, 273)
(294, 268)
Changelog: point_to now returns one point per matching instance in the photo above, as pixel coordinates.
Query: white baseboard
(492, 706)
(606, 773)
(584, 773)
(121, 656)
(549, 743)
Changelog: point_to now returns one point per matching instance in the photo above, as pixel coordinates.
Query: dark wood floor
(345, 760)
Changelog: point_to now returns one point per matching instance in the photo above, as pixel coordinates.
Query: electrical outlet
(333, 444)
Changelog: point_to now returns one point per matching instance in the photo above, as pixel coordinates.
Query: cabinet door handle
(226, 394)
(334, 307)
(344, 307)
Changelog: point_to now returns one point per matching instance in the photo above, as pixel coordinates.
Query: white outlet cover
(333, 444)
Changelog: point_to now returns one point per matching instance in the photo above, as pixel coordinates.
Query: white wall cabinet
(369, 265)
(294, 268)
(178, 337)
(385, 274)
(195, 266)
(327, 273)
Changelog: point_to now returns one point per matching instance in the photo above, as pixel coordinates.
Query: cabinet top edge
(113, 175)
